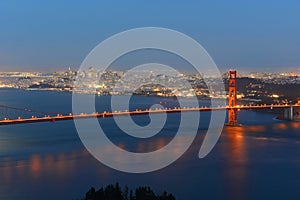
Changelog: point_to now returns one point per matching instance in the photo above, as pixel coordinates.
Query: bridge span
(71, 116)
(232, 108)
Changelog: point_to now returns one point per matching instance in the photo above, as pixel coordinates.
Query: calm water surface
(260, 160)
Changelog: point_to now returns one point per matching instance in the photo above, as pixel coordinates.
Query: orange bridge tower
(232, 112)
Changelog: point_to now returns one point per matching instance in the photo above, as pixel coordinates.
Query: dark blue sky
(251, 36)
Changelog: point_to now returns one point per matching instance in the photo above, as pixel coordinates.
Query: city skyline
(252, 36)
(244, 72)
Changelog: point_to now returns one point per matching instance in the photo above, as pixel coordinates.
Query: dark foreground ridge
(115, 192)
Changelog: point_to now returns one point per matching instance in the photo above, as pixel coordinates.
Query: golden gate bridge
(232, 108)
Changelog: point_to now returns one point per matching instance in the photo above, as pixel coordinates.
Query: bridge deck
(137, 112)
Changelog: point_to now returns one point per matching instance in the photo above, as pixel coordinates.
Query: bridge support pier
(232, 117)
(288, 113)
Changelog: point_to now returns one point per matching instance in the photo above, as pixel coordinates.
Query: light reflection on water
(235, 165)
(237, 158)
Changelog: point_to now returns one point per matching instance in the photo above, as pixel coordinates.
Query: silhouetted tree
(125, 193)
(114, 192)
(166, 196)
(91, 194)
(144, 193)
(100, 194)
(131, 195)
